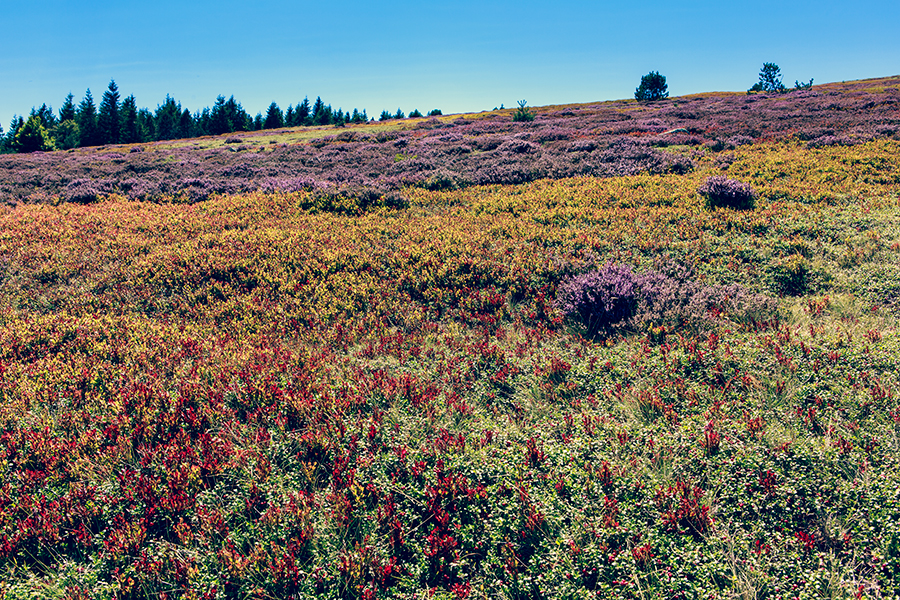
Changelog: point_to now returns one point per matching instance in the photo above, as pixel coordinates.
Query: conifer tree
(14, 126)
(129, 132)
(87, 121)
(108, 122)
(274, 118)
(302, 116)
(167, 118)
(289, 116)
(45, 114)
(67, 111)
(185, 124)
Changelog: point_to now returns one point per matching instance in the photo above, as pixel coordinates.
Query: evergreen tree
(399, 114)
(653, 87)
(185, 124)
(129, 133)
(257, 122)
(108, 122)
(238, 117)
(202, 122)
(66, 134)
(32, 136)
(302, 116)
(289, 116)
(769, 79)
(146, 125)
(219, 122)
(167, 118)
(385, 116)
(14, 126)
(415, 113)
(45, 114)
(67, 112)
(274, 118)
(87, 121)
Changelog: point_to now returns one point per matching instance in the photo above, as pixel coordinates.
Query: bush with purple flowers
(615, 299)
(722, 192)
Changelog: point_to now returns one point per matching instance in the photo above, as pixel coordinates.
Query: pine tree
(653, 87)
(66, 134)
(238, 117)
(146, 125)
(167, 118)
(87, 121)
(219, 122)
(202, 122)
(67, 111)
(289, 116)
(45, 114)
(108, 123)
(129, 132)
(302, 116)
(185, 124)
(274, 118)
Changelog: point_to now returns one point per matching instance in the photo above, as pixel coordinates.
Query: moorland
(461, 357)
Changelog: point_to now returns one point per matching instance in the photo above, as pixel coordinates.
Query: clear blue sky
(458, 56)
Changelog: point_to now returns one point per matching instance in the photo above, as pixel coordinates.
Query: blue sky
(463, 56)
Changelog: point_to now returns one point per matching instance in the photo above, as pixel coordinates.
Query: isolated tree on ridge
(769, 80)
(653, 87)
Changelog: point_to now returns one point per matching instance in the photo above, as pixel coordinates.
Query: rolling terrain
(461, 357)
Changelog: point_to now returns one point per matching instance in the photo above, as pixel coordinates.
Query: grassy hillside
(363, 388)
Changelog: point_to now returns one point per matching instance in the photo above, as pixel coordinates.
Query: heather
(602, 140)
(564, 387)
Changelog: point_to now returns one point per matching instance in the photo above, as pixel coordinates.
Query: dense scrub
(255, 396)
(608, 139)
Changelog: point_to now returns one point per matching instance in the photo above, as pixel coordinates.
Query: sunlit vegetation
(310, 393)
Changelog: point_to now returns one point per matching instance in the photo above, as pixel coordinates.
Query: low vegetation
(565, 386)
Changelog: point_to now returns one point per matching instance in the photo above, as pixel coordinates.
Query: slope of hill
(607, 139)
(461, 358)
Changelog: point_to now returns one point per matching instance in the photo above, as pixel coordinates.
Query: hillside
(461, 357)
(603, 140)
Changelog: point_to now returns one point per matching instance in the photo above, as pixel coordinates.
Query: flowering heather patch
(296, 393)
(615, 299)
(607, 140)
(722, 192)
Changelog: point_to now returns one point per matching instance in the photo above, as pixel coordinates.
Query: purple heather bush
(615, 299)
(722, 192)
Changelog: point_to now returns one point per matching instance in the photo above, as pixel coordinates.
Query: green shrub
(790, 275)
(522, 114)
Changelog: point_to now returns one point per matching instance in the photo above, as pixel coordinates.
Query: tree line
(120, 121)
